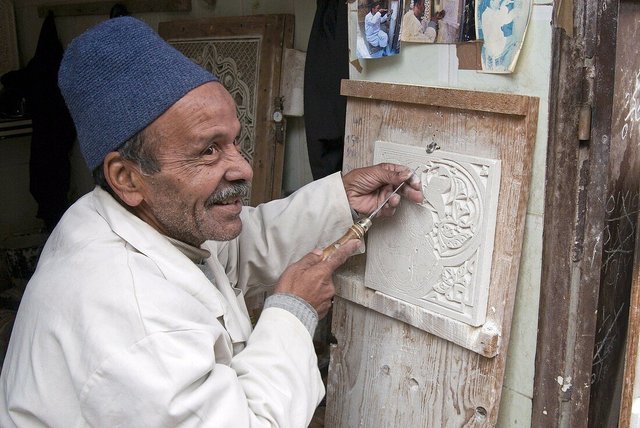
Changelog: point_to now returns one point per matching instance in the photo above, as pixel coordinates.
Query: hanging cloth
(326, 65)
(53, 129)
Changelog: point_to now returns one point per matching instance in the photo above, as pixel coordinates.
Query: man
(135, 316)
(415, 29)
(372, 22)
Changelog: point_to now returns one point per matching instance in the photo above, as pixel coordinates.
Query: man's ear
(124, 178)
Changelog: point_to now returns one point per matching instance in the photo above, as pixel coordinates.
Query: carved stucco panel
(437, 255)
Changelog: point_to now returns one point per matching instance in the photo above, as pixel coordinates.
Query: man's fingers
(412, 190)
(310, 259)
(342, 253)
(413, 194)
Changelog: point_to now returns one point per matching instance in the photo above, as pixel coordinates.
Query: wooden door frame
(275, 33)
(582, 79)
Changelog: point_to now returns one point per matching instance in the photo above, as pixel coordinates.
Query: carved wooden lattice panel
(437, 255)
(235, 63)
(246, 53)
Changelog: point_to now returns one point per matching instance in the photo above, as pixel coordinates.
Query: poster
(502, 25)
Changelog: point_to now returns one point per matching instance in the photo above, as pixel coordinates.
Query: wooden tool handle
(356, 231)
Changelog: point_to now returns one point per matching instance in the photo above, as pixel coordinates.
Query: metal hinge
(584, 115)
(584, 123)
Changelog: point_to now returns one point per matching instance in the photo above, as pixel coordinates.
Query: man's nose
(239, 168)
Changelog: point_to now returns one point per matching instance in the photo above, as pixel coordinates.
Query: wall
(434, 65)
(437, 65)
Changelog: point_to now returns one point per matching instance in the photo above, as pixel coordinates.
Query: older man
(135, 316)
(416, 29)
(373, 21)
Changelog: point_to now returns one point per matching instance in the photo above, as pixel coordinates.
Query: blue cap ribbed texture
(117, 78)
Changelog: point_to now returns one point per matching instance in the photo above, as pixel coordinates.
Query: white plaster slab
(437, 255)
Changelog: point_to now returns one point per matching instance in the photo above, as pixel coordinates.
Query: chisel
(360, 228)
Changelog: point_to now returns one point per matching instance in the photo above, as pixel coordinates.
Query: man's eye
(209, 150)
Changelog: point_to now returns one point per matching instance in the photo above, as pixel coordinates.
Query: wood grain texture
(275, 33)
(591, 187)
(565, 173)
(621, 182)
(383, 370)
(104, 7)
(631, 382)
(438, 97)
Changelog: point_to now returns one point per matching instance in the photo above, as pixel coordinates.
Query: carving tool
(360, 228)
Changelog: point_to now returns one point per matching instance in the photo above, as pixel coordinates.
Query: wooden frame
(104, 7)
(376, 340)
(272, 34)
(631, 383)
(592, 192)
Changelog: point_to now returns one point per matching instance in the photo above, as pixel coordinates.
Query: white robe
(412, 30)
(117, 327)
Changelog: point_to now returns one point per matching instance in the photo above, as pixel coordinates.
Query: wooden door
(246, 53)
(593, 173)
(397, 363)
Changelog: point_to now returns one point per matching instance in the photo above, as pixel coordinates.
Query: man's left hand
(368, 187)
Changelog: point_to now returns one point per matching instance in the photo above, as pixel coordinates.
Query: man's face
(420, 6)
(375, 9)
(192, 198)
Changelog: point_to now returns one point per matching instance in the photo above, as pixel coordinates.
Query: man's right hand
(311, 278)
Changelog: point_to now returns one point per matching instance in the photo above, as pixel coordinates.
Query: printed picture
(502, 25)
(437, 21)
(378, 28)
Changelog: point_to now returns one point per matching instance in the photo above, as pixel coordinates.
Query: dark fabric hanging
(326, 65)
(53, 130)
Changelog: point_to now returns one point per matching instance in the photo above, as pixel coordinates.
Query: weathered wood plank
(564, 175)
(618, 123)
(104, 7)
(631, 384)
(439, 97)
(384, 371)
(590, 193)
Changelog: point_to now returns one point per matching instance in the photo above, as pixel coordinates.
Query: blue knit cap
(117, 78)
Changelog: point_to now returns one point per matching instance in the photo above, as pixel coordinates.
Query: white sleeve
(277, 234)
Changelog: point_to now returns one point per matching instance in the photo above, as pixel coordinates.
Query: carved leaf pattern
(456, 280)
(438, 255)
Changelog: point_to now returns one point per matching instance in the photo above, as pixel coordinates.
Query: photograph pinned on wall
(438, 21)
(502, 25)
(378, 28)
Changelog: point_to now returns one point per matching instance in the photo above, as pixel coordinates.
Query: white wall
(436, 65)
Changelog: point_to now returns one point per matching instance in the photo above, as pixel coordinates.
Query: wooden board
(383, 370)
(590, 204)
(104, 7)
(246, 53)
(631, 383)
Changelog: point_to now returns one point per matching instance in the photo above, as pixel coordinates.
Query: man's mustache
(238, 189)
